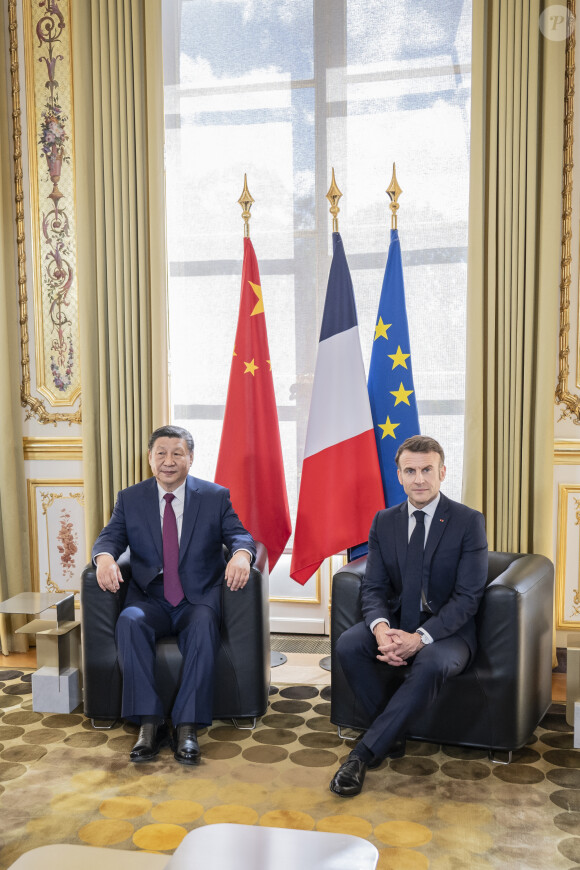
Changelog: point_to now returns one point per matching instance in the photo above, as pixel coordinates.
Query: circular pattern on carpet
(129, 807)
(177, 811)
(314, 757)
(222, 750)
(287, 819)
(282, 720)
(564, 778)
(519, 773)
(103, 832)
(414, 766)
(472, 770)
(275, 736)
(231, 813)
(437, 807)
(345, 824)
(159, 838)
(265, 754)
(290, 706)
(299, 692)
(403, 833)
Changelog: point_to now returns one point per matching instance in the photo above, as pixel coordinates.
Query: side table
(56, 682)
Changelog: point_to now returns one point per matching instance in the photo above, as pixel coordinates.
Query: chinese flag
(250, 456)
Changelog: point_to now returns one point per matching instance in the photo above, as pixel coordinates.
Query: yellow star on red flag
(259, 306)
(250, 367)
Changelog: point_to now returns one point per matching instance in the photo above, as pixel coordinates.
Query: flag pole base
(277, 658)
(325, 663)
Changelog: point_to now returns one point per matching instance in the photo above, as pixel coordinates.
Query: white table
(219, 847)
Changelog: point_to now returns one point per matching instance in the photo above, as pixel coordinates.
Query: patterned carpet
(441, 808)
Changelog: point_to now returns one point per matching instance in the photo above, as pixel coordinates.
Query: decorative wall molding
(567, 451)
(53, 448)
(34, 406)
(564, 396)
(56, 516)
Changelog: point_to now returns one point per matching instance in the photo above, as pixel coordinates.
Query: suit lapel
(152, 515)
(190, 512)
(401, 536)
(438, 526)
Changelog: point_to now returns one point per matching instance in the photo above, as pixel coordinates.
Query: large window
(283, 90)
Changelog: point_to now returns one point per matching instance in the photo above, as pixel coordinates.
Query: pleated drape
(513, 273)
(118, 98)
(14, 545)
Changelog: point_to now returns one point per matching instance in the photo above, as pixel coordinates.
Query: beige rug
(438, 807)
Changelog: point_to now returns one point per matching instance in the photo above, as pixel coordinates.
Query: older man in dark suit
(175, 526)
(425, 576)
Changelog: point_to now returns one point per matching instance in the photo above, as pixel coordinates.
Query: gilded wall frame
(564, 396)
(57, 534)
(59, 275)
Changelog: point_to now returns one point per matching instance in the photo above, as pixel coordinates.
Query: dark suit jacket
(209, 521)
(454, 568)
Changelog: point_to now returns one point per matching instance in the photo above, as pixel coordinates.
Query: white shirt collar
(429, 509)
(179, 493)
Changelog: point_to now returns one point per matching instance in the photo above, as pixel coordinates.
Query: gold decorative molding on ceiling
(53, 448)
(34, 406)
(564, 396)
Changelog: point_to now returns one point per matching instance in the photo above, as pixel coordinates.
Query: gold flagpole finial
(246, 201)
(394, 192)
(333, 196)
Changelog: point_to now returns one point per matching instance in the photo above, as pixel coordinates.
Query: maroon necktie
(172, 588)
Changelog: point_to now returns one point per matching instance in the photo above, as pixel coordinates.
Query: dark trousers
(393, 696)
(144, 619)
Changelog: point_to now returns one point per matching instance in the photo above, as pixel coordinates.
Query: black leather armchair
(242, 678)
(499, 700)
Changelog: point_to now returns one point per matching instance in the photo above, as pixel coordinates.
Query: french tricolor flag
(340, 489)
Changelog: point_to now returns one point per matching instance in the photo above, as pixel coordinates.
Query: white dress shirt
(429, 511)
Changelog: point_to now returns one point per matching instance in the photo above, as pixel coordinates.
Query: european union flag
(391, 388)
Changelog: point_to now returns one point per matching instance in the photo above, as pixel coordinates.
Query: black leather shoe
(151, 738)
(186, 745)
(398, 749)
(348, 779)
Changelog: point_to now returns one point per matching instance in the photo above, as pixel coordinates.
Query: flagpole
(246, 201)
(333, 196)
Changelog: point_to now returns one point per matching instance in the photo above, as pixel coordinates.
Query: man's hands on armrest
(238, 570)
(109, 575)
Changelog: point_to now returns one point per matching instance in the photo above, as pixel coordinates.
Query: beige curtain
(14, 548)
(118, 98)
(513, 273)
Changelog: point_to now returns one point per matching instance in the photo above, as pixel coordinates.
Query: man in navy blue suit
(175, 526)
(425, 577)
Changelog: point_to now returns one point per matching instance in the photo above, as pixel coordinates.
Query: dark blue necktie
(413, 579)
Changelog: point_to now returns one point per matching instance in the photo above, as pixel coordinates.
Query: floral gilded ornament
(58, 255)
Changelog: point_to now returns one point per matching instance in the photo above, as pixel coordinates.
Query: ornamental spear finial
(333, 197)
(394, 192)
(246, 201)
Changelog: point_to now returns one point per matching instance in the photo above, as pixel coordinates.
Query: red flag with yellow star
(250, 455)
